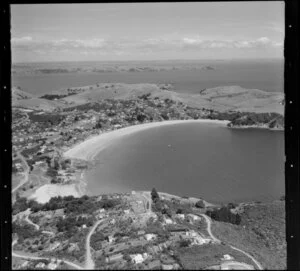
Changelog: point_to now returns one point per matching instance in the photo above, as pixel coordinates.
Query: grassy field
(261, 233)
(200, 257)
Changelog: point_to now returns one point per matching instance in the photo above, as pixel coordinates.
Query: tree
(184, 243)
(200, 204)
(154, 195)
(231, 205)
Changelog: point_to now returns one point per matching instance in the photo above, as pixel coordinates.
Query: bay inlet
(204, 160)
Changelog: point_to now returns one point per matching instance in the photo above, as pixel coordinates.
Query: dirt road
(89, 263)
(14, 254)
(208, 221)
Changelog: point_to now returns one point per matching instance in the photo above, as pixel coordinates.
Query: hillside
(233, 98)
(18, 94)
(261, 233)
(23, 99)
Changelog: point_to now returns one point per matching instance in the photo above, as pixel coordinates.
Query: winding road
(26, 172)
(14, 254)
(89, 263)
(37, 227)
(208, 221)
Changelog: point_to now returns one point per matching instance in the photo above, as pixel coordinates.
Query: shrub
(200, 204)
(184, 243)
(224, 214)
(154, 195)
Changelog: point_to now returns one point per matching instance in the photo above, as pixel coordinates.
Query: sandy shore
(47, 191)
(88, 149)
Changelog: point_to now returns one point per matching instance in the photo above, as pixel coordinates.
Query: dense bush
(71, 205)
(200, 204)
(20, 205)
(31, 151)
(154, 195)
(184, 243)
(24, 231)
(224, 214)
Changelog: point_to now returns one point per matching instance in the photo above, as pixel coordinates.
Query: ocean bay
(201, 160)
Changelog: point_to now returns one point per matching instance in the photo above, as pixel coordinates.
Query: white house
(150, 236)
(168, 221)
(194, 217)
(40, 265)
(111, 239)
(137, 258)
(52, 266)
(181, 216)
(227, 257)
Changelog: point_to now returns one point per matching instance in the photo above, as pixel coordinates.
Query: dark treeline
(225, 215)
(71, 205)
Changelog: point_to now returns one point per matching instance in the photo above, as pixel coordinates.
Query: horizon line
(150, 60)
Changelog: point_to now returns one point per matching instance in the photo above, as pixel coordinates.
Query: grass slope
(261, 233)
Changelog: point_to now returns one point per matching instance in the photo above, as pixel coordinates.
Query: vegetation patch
(200, 257)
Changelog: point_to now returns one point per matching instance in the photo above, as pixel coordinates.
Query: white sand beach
(88, 149)
(47, 191)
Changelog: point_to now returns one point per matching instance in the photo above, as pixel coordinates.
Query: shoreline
(91, 147)
(255, 127)
(44, 193)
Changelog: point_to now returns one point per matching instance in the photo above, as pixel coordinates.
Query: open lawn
(200, 257)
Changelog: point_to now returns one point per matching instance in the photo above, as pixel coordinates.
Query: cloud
(125, 46)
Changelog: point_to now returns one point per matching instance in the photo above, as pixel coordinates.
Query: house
(110, 239)
(168, 221)
(114, 258)
(181, 216)
(54, 246)
(227, 257)
(167, 266)
(137, 258)
(126, 211)
(25, 264)
(150, 236)
(52, 266)
(194, 217)
(40, 265)
(73, 247)
(141, 232)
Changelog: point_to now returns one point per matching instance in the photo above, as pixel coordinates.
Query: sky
(147, 31)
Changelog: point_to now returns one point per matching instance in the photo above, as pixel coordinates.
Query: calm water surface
(266, 76)
(205, 160)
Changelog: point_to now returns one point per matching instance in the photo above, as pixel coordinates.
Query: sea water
(201, 160)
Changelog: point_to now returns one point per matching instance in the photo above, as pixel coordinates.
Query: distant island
(130, 66)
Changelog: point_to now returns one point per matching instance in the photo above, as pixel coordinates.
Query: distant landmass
(243, 107)
(104, 67)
